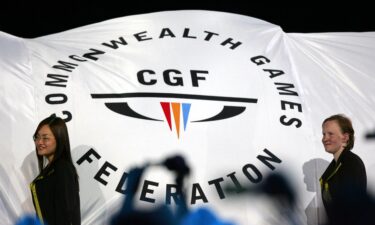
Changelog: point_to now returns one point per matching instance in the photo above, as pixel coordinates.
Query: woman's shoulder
(63, 166)
(348, 154)
(351, 158)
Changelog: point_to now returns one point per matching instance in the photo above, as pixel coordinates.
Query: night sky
(31, 19)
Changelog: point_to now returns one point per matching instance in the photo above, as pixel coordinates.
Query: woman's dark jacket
(55, 194)
(342, 181)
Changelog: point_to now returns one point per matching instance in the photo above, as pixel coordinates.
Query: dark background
(34, 18)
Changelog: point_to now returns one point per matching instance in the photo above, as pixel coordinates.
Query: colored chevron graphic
(176, 113)
(176, 108)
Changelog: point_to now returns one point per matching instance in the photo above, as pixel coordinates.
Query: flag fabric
(235, 95)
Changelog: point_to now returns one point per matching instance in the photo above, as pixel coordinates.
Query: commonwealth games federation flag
(236, 96)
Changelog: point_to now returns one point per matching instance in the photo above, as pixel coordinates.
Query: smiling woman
(346, 174)
(45, 143)
(55, 191)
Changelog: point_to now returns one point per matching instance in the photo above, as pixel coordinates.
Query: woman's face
(45, 142)
(333, 139)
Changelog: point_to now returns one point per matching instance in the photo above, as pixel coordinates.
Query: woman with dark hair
(345, 176)
(55, 190)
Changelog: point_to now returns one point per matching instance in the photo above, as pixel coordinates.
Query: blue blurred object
(203, 216)
(28, 220)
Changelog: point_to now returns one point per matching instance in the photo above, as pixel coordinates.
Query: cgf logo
(172, 110)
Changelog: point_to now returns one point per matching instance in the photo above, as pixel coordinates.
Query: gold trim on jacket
(325, 186)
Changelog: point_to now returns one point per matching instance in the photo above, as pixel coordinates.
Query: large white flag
(235, 95)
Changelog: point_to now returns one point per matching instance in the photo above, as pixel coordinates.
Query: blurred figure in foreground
(277, 187)
(162, 215)
(277, 191)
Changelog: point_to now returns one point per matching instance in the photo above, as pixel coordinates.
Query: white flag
(235, 95)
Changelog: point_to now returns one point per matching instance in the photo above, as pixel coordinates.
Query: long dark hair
(60, 131)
